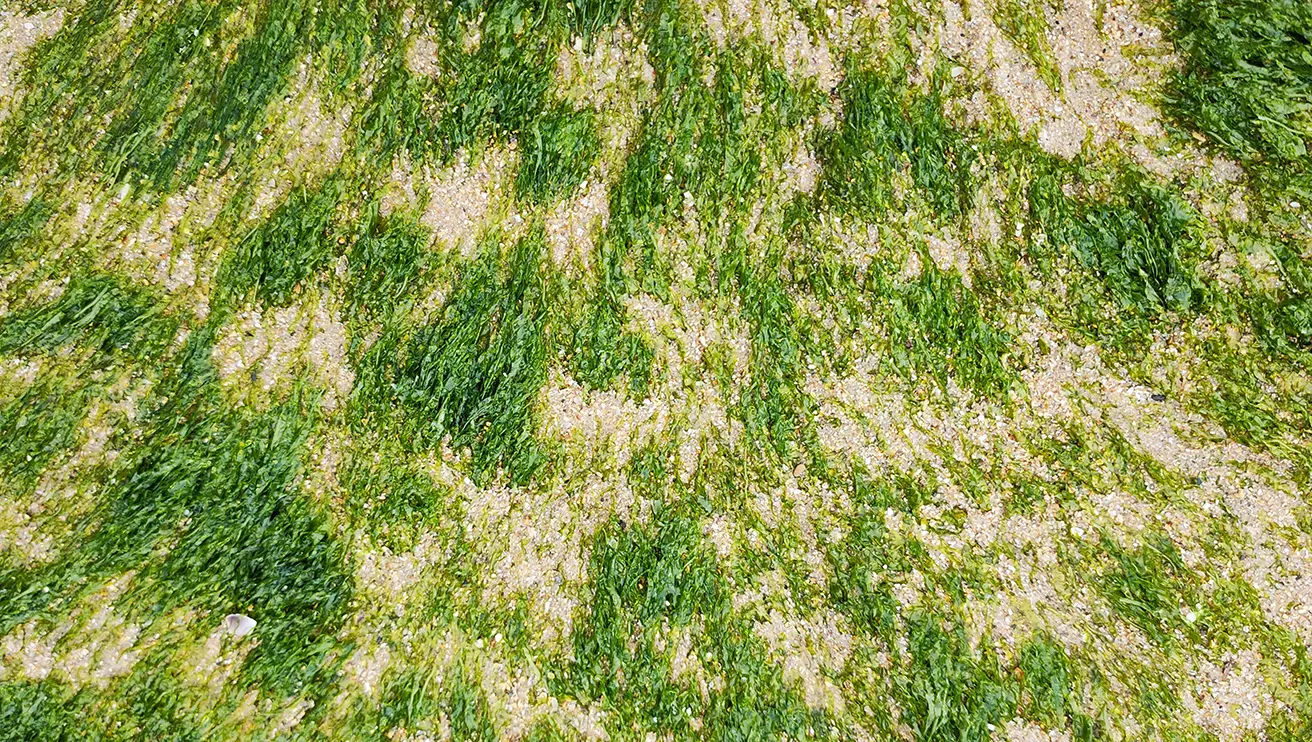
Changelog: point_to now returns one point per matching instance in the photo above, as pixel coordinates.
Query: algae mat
(656, 370)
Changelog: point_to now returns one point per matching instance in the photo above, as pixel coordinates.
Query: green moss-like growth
(592, 16)
(20, 225)
(387, 260)
(1149, 586)
(98, 312)
(937, 328)
(1247, 80)
(1046, 682)
(643, 581)
(145, 704)
(557, 150)
(950, 692)
(864, 563)
(31, 710)
(604, 353)
(40, 424)
(401, 116)
(888, 127)
(475, 373)
(205, 511)
(394, 503)
(277, 257)
(1137, 243)
(497, 88)
(176, 92)
(1283, 318)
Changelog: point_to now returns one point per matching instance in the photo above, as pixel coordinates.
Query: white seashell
(238, 624)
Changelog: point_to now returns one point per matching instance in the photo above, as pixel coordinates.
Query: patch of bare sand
(595, 417)
(801, 173)
(422, 56)
(1018, 730)
(273, 346)
(1230, 698)
(314, 129)
(609, 74)
(520, 697)
(391, 575)
(92, 644)
(307, 139)
(812, 651)
(1105, 73)
(537, 541)
(366, 667)
(162, 250)
(802, 52)
(572, 225)
(18, 34)
(460, 197)
(214, 662)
